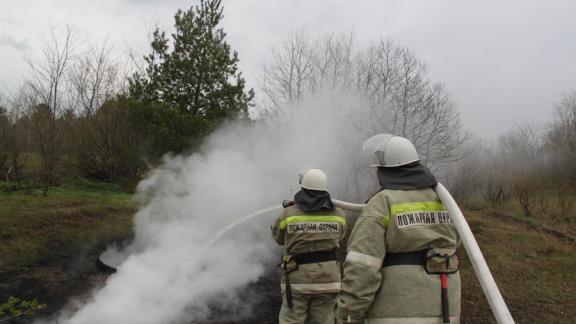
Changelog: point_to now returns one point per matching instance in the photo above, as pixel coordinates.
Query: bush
(16, 307)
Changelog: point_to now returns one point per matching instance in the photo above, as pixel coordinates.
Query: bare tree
(391, 80)
(522, 150)
(565, 197)
(101, 126)
(495, 191)
(387, 86)
(47, 82)
(377, 75)
(15, 136)
(494, 184)
(301, 67)
(48, 73)
(288, 77)
(561, 147)
(5, 129)
(561, 140)
(466, 176)
(402, 101)
(94, 78)
(333, 63)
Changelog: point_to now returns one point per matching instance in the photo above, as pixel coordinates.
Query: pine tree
(196, 72)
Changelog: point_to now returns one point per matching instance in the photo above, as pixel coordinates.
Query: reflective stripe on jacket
(301, 232)
(397, 221)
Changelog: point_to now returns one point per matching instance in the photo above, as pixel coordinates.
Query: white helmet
(390, 151)
(314, 179)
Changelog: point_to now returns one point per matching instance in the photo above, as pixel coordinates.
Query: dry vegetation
(531, 267)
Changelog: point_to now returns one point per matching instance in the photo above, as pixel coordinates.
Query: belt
(306, 258)
(314, 257)
(407, 258)
(419, 258)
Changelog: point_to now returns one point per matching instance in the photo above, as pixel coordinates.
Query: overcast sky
(505, 62)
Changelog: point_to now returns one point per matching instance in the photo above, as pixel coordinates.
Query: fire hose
(497, 304)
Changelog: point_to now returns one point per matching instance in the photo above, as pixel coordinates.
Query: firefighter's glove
(289, 263)
(287, 203)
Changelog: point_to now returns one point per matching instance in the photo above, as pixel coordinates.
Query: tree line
(389, 82)
(530, 165)
(85, 112)
(82, 113)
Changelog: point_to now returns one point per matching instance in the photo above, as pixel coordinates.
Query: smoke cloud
(170, 275)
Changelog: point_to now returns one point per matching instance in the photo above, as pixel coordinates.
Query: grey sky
(17, 44)
(505, 62)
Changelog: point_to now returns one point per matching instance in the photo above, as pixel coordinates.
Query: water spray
(239, 221)
(220, 234)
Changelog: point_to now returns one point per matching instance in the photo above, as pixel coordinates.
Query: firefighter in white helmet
(310, 229)
(401, 265)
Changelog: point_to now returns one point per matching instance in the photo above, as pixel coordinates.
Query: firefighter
(310, 229)
(401, 265)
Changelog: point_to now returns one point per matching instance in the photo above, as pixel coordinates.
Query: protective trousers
(309, 309)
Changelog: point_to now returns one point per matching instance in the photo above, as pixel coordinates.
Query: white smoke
(170, 275)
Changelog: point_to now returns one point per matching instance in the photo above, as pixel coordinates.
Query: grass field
(534, 270)
(33, 225)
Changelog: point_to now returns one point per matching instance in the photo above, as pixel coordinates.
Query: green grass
(33, 226)
(87, 195)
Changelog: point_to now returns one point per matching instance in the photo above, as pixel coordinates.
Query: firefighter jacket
(306, 233)
(398, 222)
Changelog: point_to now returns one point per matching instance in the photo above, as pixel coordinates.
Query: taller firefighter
(310, 229)
(401, 265)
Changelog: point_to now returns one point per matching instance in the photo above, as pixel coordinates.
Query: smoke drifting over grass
(169, 277)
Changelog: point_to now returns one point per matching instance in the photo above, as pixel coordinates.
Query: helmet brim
(373, 142)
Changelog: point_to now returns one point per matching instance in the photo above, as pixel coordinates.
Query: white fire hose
(497, 304)
(347, 205)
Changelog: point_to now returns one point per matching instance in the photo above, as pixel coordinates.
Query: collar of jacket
(406, 177)
(313, 200)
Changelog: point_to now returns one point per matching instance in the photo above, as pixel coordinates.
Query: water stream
(237, 222)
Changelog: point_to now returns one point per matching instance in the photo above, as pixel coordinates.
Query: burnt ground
(262, 301)
(68, 271)
(533, 268)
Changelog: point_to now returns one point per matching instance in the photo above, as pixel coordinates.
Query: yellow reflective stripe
(314, 219)
(416, 207)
